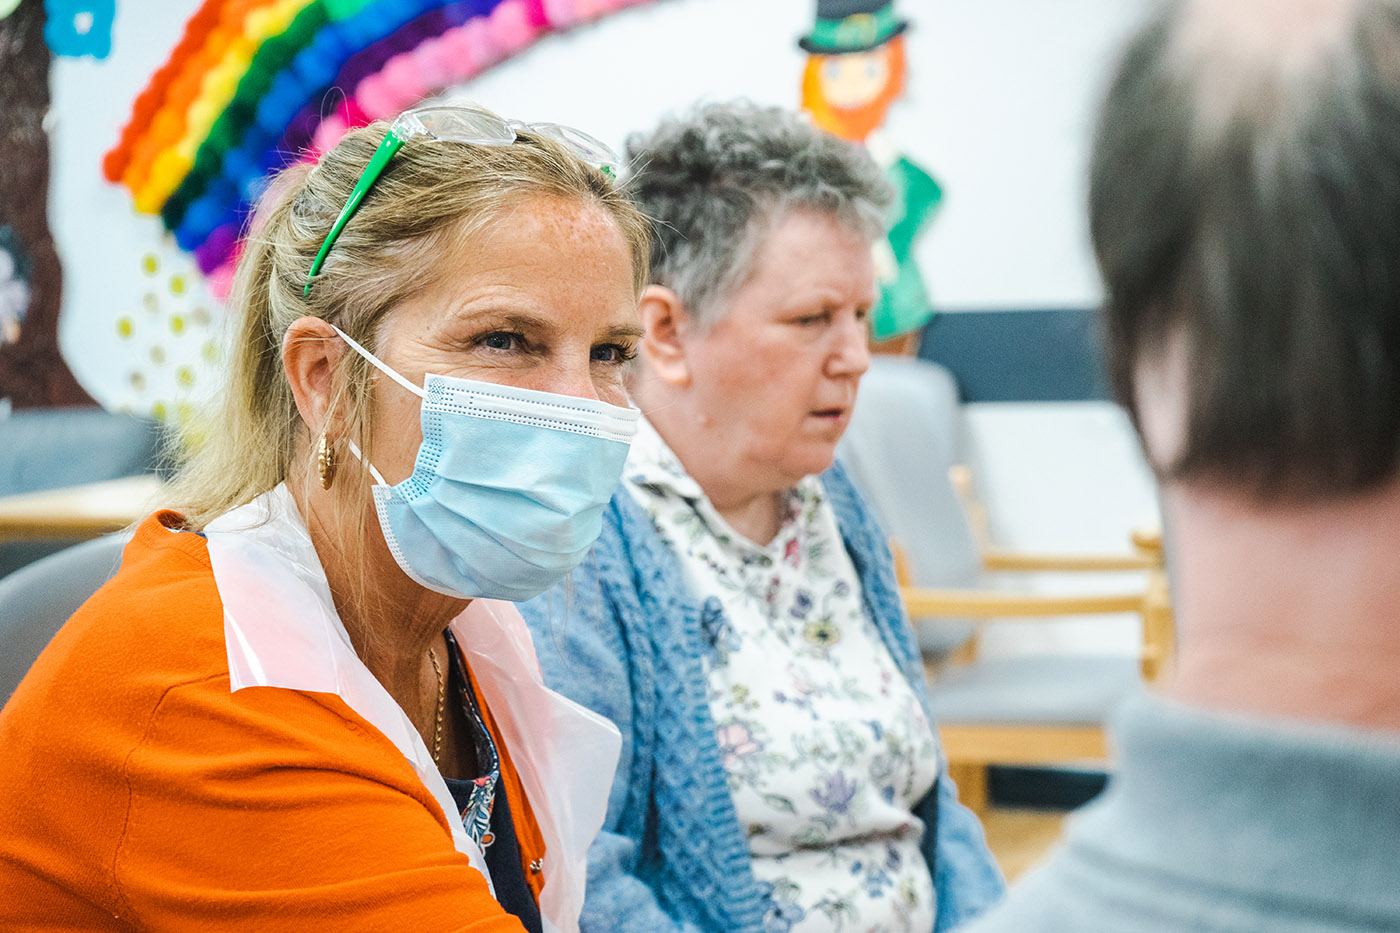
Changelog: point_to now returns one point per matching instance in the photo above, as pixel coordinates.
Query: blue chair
(36, 600)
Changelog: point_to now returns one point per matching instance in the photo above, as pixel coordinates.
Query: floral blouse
(825, 745)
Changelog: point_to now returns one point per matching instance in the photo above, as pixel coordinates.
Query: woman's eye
(614, 353)
(807, 320)
(500, 340)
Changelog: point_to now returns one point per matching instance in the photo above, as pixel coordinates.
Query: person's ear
(311, 350)
(663, 344)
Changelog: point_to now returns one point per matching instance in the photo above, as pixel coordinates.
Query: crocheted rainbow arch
(248, 89)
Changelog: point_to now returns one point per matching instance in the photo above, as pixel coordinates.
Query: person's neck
(1288, 611)
(393, 622)
(697, 441)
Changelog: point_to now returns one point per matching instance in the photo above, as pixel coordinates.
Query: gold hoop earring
(325, 461)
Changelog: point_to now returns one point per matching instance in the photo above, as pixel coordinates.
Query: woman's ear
(667, 327)
(311, 350)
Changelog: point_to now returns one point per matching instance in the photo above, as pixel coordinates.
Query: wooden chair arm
(996, 559)
(923, 603)
(1148, 540)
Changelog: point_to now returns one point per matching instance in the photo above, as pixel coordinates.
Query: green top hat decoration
(852, 26)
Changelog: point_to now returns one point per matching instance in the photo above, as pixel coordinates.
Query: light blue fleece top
(624, 637)
(1218, 823)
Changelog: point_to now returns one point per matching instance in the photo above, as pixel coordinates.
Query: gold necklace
(442, 693)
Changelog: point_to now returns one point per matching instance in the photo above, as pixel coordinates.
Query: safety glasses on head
(461, 122)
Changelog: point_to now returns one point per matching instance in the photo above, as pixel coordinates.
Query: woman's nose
(580, 377)
(851, 356)
(577, 381)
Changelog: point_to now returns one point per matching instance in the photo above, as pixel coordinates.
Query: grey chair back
(46, 448)
(36, 600)
(903, 437)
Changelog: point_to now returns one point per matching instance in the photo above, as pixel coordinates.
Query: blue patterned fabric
(625, 638)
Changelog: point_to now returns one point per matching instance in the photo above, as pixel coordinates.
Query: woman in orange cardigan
(283, 713)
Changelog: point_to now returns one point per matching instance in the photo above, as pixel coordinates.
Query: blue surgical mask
(508, 489)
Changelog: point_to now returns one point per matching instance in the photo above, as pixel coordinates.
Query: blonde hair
(432, 196)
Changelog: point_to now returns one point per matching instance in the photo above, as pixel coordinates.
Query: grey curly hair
(714, 181)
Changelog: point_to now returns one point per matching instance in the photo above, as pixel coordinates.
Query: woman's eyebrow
(520, 320)
(619, 331)
(501, 317)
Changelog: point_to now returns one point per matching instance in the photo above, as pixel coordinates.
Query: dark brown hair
(1267, 241)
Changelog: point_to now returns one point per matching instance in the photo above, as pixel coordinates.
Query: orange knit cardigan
(138, 791)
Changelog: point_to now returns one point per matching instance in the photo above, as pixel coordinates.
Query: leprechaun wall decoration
(855, 71)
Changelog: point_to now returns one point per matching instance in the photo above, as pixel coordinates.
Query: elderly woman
(740, 620)
(269, 719)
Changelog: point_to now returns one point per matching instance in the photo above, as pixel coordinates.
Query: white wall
(1065, 477)
(998, 108)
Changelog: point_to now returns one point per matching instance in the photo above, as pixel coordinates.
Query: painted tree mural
(32, 372)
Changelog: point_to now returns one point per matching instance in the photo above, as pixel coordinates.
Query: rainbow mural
(253, 85)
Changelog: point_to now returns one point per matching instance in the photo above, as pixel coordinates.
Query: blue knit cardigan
(623, 637)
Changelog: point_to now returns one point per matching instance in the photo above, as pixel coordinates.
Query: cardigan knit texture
(624, 637)
(139, 792)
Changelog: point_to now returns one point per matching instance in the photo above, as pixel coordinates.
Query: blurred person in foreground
(739, 619)
(278, 715)
(1245, 206)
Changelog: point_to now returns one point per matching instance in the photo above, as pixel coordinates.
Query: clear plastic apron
(282, 630)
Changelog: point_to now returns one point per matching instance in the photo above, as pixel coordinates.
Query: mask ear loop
(379, 364)
(355, 449)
